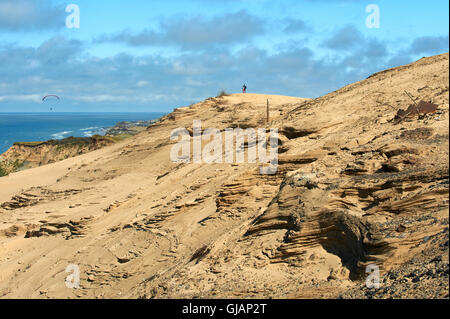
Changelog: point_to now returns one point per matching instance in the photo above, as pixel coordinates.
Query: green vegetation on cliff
(69, 141)
(8, 167)
(2, 172)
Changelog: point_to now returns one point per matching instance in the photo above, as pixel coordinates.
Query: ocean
(31, 127)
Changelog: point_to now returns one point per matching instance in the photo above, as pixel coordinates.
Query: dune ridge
(354, 187)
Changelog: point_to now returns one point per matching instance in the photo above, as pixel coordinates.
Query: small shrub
(17, 165)
(2, 172)
(200, 253)
(222, 94)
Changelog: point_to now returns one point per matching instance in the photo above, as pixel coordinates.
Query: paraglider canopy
(49, 96)
(50, 99)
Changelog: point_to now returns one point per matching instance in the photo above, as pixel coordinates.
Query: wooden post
(417, 107)
(267, 110)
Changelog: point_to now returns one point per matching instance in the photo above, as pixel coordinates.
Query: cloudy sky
(154, 55)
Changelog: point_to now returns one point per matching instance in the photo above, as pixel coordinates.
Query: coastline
(24, 155)
(45, 126)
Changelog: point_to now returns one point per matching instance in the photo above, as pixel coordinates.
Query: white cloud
(21, 98)
(30, 14)
(142, 84)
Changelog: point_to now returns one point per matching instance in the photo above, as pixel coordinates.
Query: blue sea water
(30, 127)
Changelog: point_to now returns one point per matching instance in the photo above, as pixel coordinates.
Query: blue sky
(154, 55)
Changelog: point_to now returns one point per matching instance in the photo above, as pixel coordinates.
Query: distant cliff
(128, 128)
(24, 155)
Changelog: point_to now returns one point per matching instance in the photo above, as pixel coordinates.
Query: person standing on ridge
(244, 89)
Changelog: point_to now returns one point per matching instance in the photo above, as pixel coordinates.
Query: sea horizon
(43, 126)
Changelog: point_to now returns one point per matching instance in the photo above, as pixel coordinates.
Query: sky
(156, 55)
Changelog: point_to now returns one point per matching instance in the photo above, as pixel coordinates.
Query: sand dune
(354, 187)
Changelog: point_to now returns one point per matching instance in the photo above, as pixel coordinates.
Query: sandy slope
(139, 225)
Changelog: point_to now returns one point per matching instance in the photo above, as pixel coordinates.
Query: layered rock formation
(128, 128)
(355, 187)
(23, 155)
